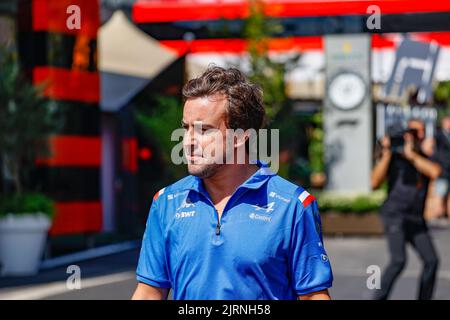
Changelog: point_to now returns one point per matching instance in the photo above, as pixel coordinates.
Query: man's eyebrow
(203, 124)
(206, 125)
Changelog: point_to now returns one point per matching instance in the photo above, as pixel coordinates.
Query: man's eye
(202, 130)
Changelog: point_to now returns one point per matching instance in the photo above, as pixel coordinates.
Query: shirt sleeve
(152, 267)
(309, 263)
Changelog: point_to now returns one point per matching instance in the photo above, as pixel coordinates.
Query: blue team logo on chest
(266, 209)
(262, 212)
(187, 209)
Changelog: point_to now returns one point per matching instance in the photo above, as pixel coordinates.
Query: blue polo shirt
(268, 244)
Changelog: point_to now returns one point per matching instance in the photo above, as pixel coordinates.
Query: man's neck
(227, 180)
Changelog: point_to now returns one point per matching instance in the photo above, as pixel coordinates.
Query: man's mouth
(197, 159)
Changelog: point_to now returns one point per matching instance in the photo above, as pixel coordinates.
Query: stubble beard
(203, 171)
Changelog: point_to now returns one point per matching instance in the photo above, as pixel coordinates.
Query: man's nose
(189, 138)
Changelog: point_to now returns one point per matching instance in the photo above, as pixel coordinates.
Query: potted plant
(24, 222)
(26, 119)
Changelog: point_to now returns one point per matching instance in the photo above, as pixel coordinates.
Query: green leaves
(26, 119)
(162, 120)
(26, 203)
(329, 201)
(442, 92)
(268, 73)
(442, 95)
(316, 145)
(158, 124)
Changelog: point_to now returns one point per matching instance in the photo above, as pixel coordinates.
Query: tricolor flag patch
(160, 192)
(305, 198)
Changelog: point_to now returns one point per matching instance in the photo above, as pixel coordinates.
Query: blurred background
(90, 92)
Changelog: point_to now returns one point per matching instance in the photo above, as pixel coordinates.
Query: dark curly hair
(245, 109)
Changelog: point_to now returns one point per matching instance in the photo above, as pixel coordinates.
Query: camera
(396, 135)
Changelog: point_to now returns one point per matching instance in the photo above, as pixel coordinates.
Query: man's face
(446, 123)
(419, 127)
(200, 115)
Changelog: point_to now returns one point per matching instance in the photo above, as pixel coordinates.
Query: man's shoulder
(279, 186)
(181, 185)
(282, 185)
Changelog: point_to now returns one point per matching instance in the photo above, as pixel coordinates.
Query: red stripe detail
(296, 43)
(240, 45)
(145, 11)
(156, 196)
(51, 15)
(77, 217)
(64, 84)
(308, 201)
(381, 42)
(442, 38)
(130, 155)
(181, 47)
(71, 151)
(166, 11)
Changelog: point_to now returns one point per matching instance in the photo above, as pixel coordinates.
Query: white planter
(22, 242)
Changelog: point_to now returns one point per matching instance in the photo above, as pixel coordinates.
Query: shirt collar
(254, 182)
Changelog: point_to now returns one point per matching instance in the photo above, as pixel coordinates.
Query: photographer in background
(407, 164)
(442, 184)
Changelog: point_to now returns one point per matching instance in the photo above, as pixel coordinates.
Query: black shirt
(443, 153)
(407, 190)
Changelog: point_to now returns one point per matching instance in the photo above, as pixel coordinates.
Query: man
(230, 230)
(441, 185)
(408, 171)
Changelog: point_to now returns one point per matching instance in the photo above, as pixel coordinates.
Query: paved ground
(351, 257)
(112, 277)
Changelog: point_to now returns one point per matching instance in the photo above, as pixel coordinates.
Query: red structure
(65, 61)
